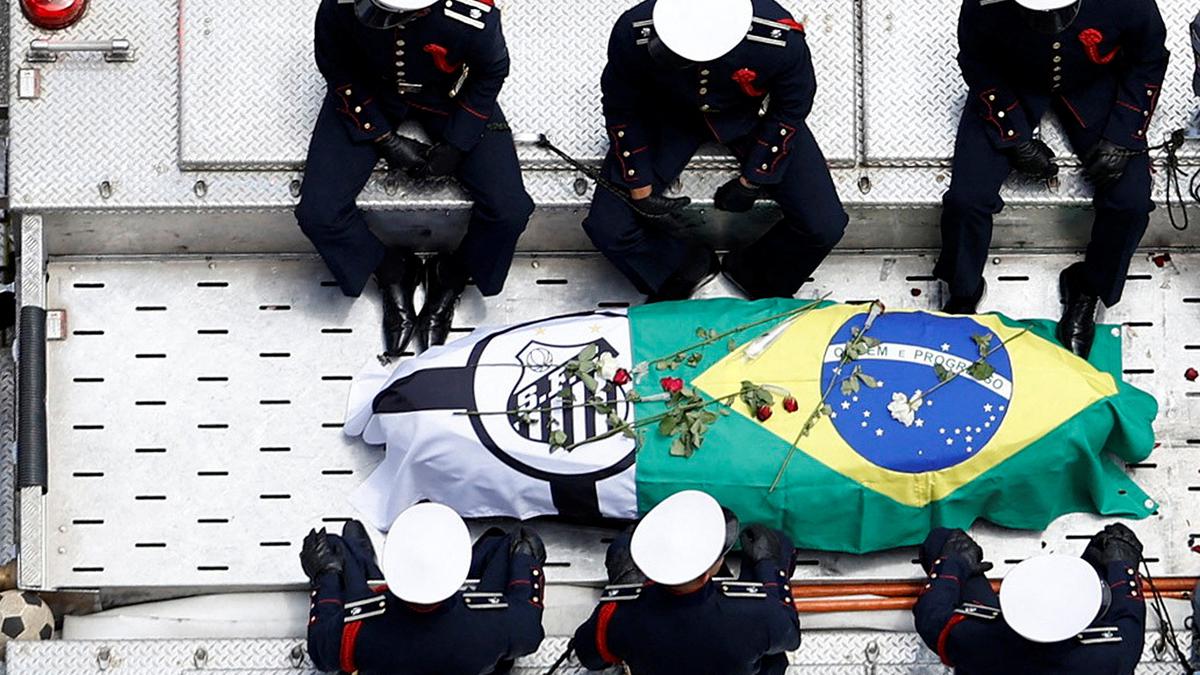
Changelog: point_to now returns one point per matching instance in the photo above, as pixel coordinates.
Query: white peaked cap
(1050, 598)
(403, 5)
(427, 554)
(702, 30)
(1045, 5)
(680, 538)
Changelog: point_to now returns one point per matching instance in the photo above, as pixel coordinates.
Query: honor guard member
(441, 65)
(1055, 615)
(684, 72)
(664, 613)
(438, 607)
(1099, 64)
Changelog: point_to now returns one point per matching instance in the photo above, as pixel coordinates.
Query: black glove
(961, 544)
(761, 543)
(1034, 159)
(358, 541)
(526, 541)
(618, 561)
(736, 197)
(658, 206)
(402, 153)
(1115, 543)
(441, 160)
(1105, 164)
(319, 556)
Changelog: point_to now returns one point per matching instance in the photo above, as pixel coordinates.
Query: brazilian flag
(1020, 442)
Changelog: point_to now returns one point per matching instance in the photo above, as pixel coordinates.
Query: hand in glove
(761, 543)
(736, 197)
(618, 561)
(1034, 159)
(1115, 543)
(961, 544)
(1105, 164)
(658, 206)
(526, 541)
(319, 555)
(441, 160)
(402, 153)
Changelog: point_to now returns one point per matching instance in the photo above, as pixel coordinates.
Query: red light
(53, 14)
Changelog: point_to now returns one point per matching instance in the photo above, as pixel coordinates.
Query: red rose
(790, 404)
(764, 413)
(672, 385)
(1191, 374)
(621, 377)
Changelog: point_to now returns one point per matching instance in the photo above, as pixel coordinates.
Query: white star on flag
(987, 408)
(945, 346)
(970, 438)
(866, 413)
(864, 425)
(845, 405)
(919, 423)
(879, 432)
(949, 441)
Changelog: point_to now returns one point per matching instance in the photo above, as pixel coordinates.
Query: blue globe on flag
(948, 425)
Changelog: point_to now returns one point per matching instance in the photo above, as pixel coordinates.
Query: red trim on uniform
(349, 641)
(331, 601)
(471, 110)
(1132, 107)
(793, 24)
(427, 109)
(745, 79)
(1078, 117)
(439, 54)
(379, 589)
(983, 96)
(1091, 39)
(606, 613)
(944, 637)
(783, 148)
(718, 137)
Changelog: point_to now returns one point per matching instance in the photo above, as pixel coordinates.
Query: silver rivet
(106, 190)
(200, 189)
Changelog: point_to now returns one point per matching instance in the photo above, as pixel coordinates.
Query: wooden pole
(879, 604)
(901, 589)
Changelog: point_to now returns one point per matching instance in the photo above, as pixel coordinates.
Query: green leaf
(588, 381)
(668, 425)
(695, 359)
(869, 381)
(589, 352)
(725, 412)
(634, 396)
(871, 342)
(854, 387)
(981, 370)
(678, 448)
(983, 341)
(731, 345)
(558, 439)
(942, 373)
(602, 408)
(847, 389)
(709, 417)
(588, 367)
(662, 365)
(701, 333)
(713, 334)
(826, 409)
(566, 396)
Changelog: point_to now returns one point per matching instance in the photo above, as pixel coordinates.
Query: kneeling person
(685, 621)
(438, 607)
(1055, 614)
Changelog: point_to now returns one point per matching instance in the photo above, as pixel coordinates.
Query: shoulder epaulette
(1099, 635)
(742, 589)
(978, 611)
(479, 600)
(772, 32)
(470, 12)
(621, 592)
(643, 31)
(365, 608)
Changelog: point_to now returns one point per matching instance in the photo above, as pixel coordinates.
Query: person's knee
(830, 227)
(963, 198)
(317, 215)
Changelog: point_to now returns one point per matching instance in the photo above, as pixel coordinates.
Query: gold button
(1057, 59)
(704, 72)
(632, 172)
(399, 43)
(1058, 69)
(775, 148)
(703, 91)
(1149, 92)
(348, 92)
(783, 132)
(358, 108)
(399, 63)
(1011, 132)
(1057, 45)
(620, 134)
(705, 108)
(764, 167)
(991, 97)
(535, 598)
(703, 81)
(536, 572)
(625, 154)
(1145, 113)
(1000, 114)
(367, 126)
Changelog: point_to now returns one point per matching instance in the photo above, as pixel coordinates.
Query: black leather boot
(700, 268)
(958, 304)
(397, 277)
(1077, 328)
(445, 281)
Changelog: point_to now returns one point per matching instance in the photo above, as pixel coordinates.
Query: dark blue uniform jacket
(1112, 645)
(1107, 67)
(455, 47)
(726, 95)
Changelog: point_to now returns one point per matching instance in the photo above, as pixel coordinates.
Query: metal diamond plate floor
(196, 408)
